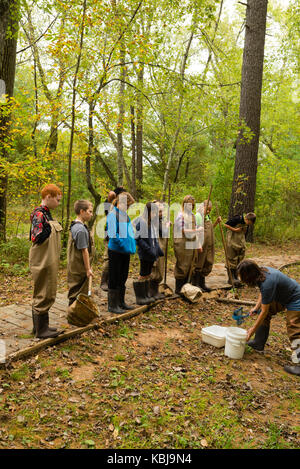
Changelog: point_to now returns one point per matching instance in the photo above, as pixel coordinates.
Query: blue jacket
(120, 232)
(146, 240)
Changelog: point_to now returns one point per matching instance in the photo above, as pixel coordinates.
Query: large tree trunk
(8, 46)
(244, 181)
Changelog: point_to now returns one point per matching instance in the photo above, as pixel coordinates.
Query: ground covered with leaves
(150, 382)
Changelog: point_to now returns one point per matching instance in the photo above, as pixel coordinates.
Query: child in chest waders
(157, 273)
(45, 234)
(237, 229)
(185, 242)
(205, 259)
(80, 251)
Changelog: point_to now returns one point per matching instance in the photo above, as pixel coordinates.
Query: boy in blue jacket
(121, 245)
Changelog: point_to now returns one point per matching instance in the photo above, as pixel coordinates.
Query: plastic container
(235, 342)
(214, 335)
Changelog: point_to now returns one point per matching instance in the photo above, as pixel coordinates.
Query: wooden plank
(42, 344)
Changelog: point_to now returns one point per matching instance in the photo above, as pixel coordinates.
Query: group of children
(193, 248)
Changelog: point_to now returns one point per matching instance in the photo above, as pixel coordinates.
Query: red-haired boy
(45, 234)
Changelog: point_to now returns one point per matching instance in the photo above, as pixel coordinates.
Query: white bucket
(235, 342)
(214, 335)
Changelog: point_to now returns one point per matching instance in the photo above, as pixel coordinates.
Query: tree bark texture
(244, 181)
(8, 46)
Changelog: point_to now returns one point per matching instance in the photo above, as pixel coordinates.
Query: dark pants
(118, 269)
(145, 268)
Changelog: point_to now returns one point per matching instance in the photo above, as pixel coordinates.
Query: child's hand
(89, 273)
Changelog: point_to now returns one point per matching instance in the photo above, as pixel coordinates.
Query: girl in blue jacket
(148, 250)
(121, 245)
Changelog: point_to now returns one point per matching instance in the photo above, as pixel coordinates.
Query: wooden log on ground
(42, 344)
(238, 302)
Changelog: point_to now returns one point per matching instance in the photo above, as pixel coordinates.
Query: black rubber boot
(236, 281)
(293, 370)
(260, 339)
(113, 301)
(104, 281)
(41, 324)
(201, 283)
(147, 290)
(124, 305)
(154, 290)
(179, 282)
(34, 327)
(140, 293)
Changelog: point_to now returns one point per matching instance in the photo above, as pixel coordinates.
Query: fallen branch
(238, 302)
(42, 344)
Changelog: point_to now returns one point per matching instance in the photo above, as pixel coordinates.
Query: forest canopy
(146, 94)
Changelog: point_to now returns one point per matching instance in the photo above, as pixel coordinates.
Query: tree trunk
(9, 14)
(120, 127)
(133, 151)
(139, 134)
(244, 181)
(73, 117)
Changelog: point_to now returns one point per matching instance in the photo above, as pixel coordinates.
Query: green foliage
(14, 257)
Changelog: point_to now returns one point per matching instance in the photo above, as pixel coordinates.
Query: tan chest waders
(44, 264)
(157, 273)
(77, 279)
(205, 259)
(236, 246)
(183, 252)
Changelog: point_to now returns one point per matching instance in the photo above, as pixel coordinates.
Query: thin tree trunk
(244, 181)
(139, 133)
(74, 93)
(120, 125)
(9, 13)
(91, 188)
(178, 120)
(133, 151)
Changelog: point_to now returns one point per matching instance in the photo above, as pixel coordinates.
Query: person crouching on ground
(121, 245)
(148, 250)
(237, 229)
(45, 234)
(278, 292)
(80, 251)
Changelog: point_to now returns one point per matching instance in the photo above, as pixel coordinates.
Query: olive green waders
(236, 246)
(157, 273)
(205, 259)
(44, 264)
(184, 257)
(78, 282)
(158, 270)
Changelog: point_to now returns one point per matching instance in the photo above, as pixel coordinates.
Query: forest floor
(150, 382)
